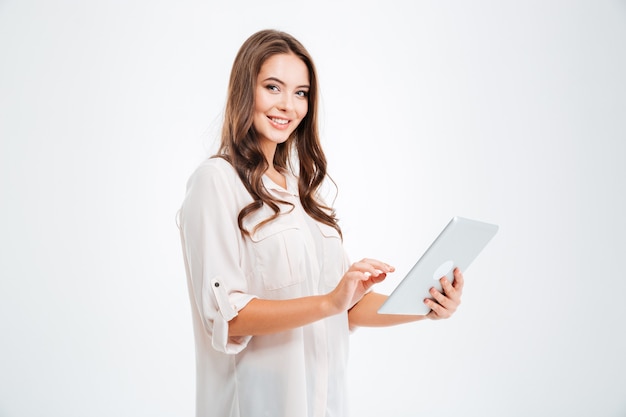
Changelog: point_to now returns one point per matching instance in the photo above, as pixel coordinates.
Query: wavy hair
(301, 151)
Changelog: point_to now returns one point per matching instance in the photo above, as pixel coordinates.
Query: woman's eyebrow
(278, 81)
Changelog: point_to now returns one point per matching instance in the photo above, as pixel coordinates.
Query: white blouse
(297, 373)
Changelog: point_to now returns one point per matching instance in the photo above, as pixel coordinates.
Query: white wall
(508, 112)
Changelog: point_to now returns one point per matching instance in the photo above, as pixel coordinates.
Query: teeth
(279, 121)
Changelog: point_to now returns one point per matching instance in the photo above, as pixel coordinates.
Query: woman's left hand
(444, 304)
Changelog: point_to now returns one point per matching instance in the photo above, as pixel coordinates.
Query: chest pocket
(334, 261)
(280, 254)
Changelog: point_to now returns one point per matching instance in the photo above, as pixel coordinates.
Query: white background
(507, 112)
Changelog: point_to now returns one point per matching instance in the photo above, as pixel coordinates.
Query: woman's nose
(286, 102)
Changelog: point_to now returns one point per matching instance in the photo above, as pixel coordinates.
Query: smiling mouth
(281, 122)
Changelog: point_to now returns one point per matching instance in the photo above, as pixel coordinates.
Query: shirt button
(217, 284)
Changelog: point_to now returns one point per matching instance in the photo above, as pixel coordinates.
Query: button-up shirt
(296, 373)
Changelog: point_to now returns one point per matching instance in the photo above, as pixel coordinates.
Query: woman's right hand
(355, 283)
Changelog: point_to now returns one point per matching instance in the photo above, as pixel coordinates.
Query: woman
(273, 296)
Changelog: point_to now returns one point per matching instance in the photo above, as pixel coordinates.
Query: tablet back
(457, 245)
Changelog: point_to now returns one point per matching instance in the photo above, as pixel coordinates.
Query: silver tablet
(457, 245)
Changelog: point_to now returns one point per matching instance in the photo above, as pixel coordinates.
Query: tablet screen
(458, 244)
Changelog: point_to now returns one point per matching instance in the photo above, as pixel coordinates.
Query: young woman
(273, 296)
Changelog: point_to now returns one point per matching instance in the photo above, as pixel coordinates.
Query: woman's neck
(276, 176)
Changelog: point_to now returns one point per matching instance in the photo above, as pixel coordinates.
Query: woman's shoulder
(215, 166)
(214, 170)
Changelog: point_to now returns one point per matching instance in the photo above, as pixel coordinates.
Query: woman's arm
(443, 305)
(365, 313)
(261, 316)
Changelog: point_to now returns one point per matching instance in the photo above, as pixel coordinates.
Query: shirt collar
(292, 184)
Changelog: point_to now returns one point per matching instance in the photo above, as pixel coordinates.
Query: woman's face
(280, 99)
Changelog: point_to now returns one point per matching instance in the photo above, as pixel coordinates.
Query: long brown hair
(302, 150)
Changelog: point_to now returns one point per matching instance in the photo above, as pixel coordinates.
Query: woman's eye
(272, 87)
(302, 93)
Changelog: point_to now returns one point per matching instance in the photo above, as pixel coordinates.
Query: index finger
(380, 265)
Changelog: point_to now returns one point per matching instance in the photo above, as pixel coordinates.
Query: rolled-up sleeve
(211, 248)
